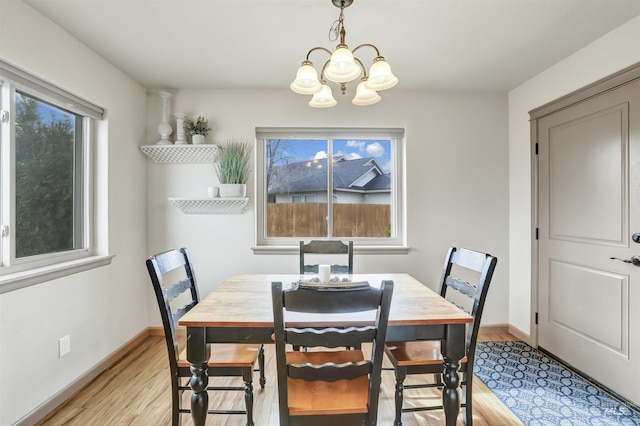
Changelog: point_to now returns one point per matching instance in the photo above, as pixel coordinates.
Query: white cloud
(375, 149)
(356, 144)
(319, 155)
(349, 155)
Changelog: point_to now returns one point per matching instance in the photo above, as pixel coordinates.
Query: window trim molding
(395, 245)
(362, 250)
(50, 92)
(23, 273)
(22, 279)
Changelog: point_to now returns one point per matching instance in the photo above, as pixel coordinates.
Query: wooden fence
(309, 220)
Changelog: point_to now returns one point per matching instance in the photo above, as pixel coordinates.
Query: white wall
(104, 308)
(457, 188)
(611, 53)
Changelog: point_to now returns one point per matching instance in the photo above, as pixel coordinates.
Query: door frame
(613, 81)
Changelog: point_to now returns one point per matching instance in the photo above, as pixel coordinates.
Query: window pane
(361, 188)
(47, 200)
(298, 196)
(296, 169)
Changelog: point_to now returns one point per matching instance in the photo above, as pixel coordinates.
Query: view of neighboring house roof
(379, 183)
(363, 174)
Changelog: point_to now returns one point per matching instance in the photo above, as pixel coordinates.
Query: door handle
(636, 237)
(634, 260)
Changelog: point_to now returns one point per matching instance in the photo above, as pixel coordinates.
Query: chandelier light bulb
(365, 96)
(306, 82)
(342, 67)
(380, 75)
(323, 99)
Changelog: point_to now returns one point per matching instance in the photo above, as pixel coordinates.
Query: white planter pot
(233, 190)
(197, 139)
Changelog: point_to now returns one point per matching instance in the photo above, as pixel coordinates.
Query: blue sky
(304, 150)
(47, 112)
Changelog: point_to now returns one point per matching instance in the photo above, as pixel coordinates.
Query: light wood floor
(136, 391)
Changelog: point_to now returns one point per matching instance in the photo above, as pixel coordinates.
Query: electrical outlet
(64, 346)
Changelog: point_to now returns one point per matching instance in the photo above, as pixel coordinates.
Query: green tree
(44, 179)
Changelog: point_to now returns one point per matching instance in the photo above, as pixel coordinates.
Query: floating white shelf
(181, 153)
(209, 205)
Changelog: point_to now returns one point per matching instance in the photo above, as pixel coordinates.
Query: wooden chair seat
(227, 355)
(417, 353)
(324, 398)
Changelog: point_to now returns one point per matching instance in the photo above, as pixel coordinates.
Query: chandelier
(343, 68)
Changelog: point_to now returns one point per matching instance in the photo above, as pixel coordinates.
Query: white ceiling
(430, 44)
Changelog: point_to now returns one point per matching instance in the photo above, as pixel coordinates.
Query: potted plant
(198, 129)
(233, 167)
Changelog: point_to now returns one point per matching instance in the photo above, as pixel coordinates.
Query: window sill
(18, 280)
(356, 250)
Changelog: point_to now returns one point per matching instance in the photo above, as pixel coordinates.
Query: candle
(324, 273)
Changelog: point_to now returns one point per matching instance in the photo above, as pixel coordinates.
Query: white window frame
(21, 272)
(395, 244)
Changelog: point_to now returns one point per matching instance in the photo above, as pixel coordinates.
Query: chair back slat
(330, 337)
(329, 372)
(177, 289)
(326, 247)
(179, 312)
(168, 261)
(462, 286)
(469, 259)
(335, 269)
(353, 297)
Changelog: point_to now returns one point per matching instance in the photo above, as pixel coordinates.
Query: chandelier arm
(367, 45)
(364, 69)
(318, 48)
(322, 80)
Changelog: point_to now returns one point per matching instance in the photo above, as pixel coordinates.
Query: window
(330, 183)
(45, 142)
(303, 198)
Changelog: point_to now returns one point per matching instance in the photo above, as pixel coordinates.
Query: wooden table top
(245, 301)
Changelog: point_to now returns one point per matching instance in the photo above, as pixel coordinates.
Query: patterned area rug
(539, 391)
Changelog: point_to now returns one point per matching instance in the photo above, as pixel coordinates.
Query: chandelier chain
(334, 31)
(338, 25)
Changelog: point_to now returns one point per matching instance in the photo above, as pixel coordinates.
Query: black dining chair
(174, 284)
(326, 247)
(326, 386)
(465, 282)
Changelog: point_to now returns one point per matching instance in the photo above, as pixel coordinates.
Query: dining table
(239, 310)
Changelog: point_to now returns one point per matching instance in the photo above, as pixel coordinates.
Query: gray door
(589, 208)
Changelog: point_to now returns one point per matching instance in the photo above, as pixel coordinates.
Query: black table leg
(453, 350)
(198, 355)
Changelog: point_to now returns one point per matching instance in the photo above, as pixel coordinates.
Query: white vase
(232, 190)
(181, 135)
(164, 128)
(197, 139)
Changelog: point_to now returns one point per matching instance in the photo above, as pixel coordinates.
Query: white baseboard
(67, 392)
